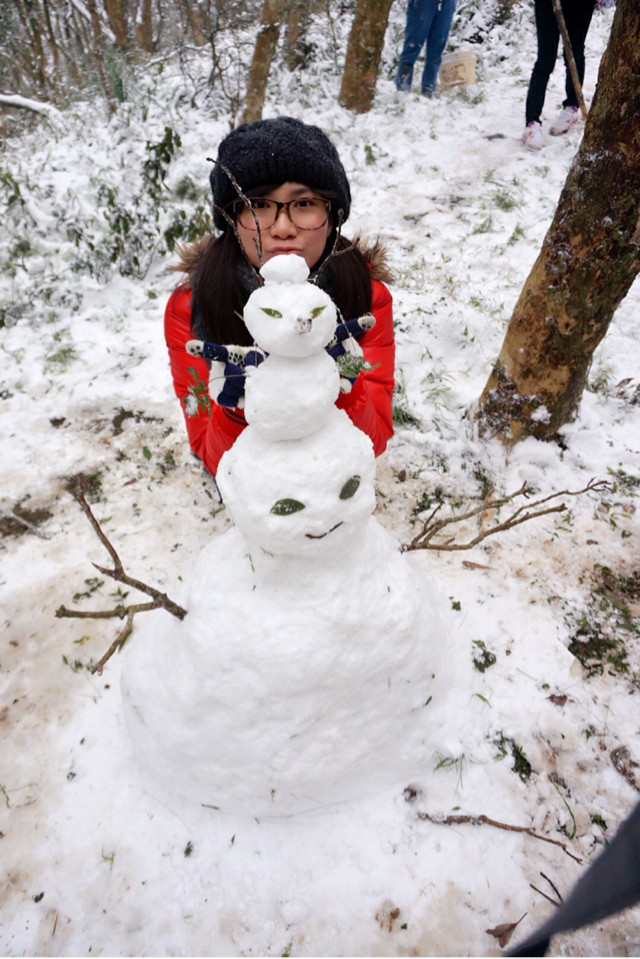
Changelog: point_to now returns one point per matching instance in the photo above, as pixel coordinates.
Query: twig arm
(120, 638)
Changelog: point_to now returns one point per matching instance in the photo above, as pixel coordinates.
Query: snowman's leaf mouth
(322, 535)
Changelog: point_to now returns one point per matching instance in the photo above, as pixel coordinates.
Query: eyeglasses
(306, 213)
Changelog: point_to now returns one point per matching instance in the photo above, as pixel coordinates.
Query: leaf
(469, 565)
(274, 313)
(146, 452)
(504, 931)
(285, 507)
(350, 488)
(317, 311)
(558, 700)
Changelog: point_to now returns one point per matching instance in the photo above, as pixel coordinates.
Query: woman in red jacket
(292, 175)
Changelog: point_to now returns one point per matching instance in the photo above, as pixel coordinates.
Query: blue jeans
(428, 21)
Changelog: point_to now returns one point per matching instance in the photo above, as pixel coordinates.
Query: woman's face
(284, 236)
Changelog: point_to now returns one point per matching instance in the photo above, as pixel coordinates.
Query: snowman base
(288, 686)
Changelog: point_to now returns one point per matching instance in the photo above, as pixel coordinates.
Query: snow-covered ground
(93, 858)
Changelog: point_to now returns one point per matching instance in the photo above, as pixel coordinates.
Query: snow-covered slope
(85, 387)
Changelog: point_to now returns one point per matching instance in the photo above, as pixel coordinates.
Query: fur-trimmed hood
(373, 250)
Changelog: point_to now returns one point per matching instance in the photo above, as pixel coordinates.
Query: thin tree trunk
(196, 22)
(263, 53)
(117, 14)
(98, 52)
(144, 27)
(52, 39)
(588, 261)
(296, 30)
(35, 30)
(363, 54)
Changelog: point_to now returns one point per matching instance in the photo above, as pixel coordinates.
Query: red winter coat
(368, 405)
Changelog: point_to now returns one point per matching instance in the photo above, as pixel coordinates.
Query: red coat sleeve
(210, 435)
(368, 405)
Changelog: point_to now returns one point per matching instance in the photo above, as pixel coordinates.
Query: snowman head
(310, 497)
(289, 316)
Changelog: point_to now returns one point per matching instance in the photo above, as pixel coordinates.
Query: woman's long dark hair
(218, 298)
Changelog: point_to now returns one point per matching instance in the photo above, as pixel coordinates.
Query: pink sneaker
(532, 136)
(567, 118)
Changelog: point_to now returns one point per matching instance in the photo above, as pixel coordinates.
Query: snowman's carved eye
(285, 507)
(350, 488)
(274, 313)
(318, 310)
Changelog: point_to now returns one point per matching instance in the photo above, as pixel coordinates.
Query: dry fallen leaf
(558, 700)
(504, 931)
(469, 565)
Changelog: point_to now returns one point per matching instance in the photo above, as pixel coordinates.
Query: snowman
(309, 669)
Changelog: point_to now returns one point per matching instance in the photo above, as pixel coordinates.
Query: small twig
(247, 202)
(160, 599)
(553, 886)
(333, 248)
(119, 613)
(118, 641)
(232, 224)
(552, 901)
(521, 515)
(484, 820)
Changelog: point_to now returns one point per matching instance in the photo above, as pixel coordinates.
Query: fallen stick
(160, 600)
(484, 820)
(432, 527)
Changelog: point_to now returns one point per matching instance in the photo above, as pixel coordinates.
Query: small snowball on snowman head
(286, 268)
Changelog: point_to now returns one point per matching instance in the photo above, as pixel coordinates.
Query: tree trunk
(265, 48)
(98, 52)
(144, 29)
(196, 22)
(363, 54)
(296, 29)
(118, 21)
(588, 261)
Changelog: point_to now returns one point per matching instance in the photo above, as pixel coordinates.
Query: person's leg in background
(577, 15)
(436, 42)
(420, 15)
(548, 36)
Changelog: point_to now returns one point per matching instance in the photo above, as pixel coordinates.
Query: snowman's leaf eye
(350, 488)
(285, 507)
(318, 310)
(274, 313)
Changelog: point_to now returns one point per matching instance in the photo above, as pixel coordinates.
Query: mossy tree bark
(363, 54)
(263, 53)
(589, 259)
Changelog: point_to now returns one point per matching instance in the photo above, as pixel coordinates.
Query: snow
(127, 867)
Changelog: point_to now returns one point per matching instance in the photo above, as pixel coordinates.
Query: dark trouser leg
(419, 16)
(577, 15)
(436, 42)
(548, 37)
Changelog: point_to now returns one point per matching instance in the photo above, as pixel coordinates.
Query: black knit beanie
(278, 151)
